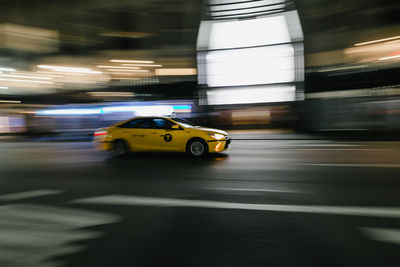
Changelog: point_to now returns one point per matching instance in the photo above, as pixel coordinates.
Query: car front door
(169, 139)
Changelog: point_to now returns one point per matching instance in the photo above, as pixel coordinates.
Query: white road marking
(21, 256)
(287, 145)
(341, 149)
(382, 234)
(366, 165)
(71, 218)
(256, 190)
(31, 235)
(389, 212)
(29, 194)
(328, 145)
(42, 237)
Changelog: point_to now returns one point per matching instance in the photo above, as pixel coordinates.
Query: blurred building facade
(352, 61)
(238, 63)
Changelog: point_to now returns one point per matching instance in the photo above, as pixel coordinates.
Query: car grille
(227, 143)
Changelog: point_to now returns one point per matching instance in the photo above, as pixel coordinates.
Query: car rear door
(139, 133)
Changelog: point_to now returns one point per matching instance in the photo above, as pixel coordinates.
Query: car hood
(211, 130)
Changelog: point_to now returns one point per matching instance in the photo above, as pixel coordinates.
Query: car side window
(162, 124)
(138, 124)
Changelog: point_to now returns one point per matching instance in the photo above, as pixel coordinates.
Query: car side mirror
(176, 127)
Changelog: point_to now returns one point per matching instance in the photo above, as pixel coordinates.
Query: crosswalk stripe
(31, 235)
(382, 234)
(55, 215)
(35, 257)
(42, 237)
(29, 194)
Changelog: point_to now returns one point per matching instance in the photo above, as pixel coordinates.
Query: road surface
(262, 203)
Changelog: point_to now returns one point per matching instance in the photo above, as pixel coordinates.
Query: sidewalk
(10, 138)
(285, 134)
(272, 134)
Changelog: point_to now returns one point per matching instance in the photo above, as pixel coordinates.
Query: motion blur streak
(63, 68)
(130, 70)
(131, 61)
(29, 194)
(25, 81)
(117, 67)
(383, 235)
(6, 69)
(142, 65)
(10, 101)
(393, 57)
(49, 231)
(297, 103)
(378, 41)
(175, 72)
(69, 112)
(23, 76)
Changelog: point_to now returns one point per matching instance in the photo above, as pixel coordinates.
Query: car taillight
(100, 133)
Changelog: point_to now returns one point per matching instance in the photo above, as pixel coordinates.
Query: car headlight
(217, 136)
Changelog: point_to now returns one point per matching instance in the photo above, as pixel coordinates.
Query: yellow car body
(161, 134)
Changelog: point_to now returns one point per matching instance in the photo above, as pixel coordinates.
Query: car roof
(151, 117)
(143, 117)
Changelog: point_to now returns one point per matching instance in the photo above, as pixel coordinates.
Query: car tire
(197, 148)
(119, 148)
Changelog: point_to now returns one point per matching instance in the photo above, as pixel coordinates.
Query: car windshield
(185, 122)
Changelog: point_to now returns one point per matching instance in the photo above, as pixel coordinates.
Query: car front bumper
(215, 146)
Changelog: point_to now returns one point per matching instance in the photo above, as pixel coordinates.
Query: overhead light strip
(253, 13)
(63, 68)
(142, 65)
(25, 81)
(128, 70)
(117, 67)
(6, 69)
(131, 61)
(61, 74)
(387, 58)
(24, 76)
(379, 40)
(234, 3)
(249, 8)
(68, 69)
(10, 101)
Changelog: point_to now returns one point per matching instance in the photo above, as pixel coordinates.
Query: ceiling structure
(91, 33)
(155, 38)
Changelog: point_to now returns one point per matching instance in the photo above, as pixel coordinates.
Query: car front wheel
(197, 148)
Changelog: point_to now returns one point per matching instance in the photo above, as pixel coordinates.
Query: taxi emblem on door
(167, 138)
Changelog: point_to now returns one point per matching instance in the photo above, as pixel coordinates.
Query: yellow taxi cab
(160, 134)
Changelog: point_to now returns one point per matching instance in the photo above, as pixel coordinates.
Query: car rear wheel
(197, 148)
(119, 148)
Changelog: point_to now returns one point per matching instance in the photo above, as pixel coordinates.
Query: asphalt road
(262, 203)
